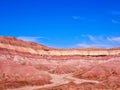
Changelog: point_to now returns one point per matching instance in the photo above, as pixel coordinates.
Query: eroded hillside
(31, 66)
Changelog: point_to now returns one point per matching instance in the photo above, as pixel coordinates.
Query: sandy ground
(58, 80)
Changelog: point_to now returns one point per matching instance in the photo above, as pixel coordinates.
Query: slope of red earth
(107, 73)
(13, 75)
(104, 70)
(13, 41)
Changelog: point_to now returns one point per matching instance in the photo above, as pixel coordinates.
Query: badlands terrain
(31, 66)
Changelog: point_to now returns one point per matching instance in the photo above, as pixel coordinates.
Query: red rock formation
(26, 63)
(34, 48)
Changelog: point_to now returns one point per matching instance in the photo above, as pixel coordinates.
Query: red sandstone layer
(34, 48)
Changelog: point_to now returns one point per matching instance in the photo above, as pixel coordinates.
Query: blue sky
(62, 23)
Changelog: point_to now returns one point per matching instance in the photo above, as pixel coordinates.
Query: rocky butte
(31, 66)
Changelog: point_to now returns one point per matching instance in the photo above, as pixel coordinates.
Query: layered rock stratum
(31, 66)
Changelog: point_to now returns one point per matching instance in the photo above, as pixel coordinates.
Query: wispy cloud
(78, 18)
(29, 38)
(115, 21)
(84, 19)
(86, 45)
(99, 41)
(116, 17)
(90, 37)
(114, 39)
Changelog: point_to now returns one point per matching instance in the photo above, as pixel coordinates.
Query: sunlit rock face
(45, 68)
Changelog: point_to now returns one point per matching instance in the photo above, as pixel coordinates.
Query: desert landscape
(31, 66)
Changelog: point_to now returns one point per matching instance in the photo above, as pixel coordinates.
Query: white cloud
(84, 45)
(116, 39)
(85, 41)
(97, 45)
(29, 38)
(92, 38)
(99, 41)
